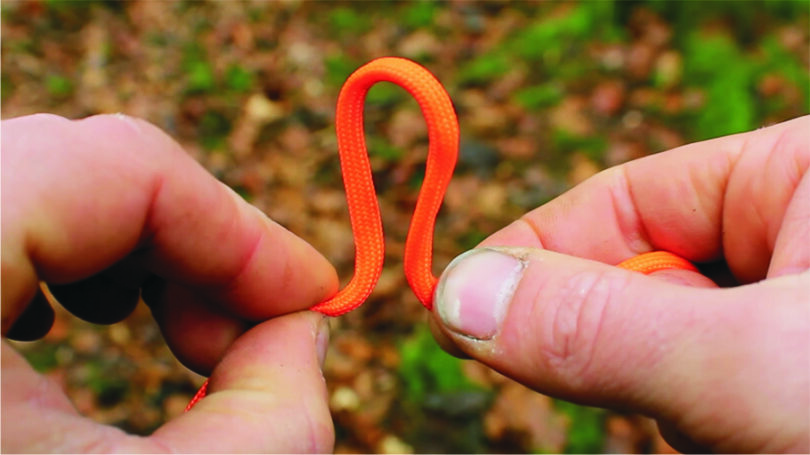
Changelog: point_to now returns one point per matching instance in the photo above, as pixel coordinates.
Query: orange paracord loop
(364, 211)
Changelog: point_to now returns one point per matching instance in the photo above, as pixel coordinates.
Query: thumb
(266, 395)
(604, 336)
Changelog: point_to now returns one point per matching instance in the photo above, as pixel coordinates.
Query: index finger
(721, 198)
(79, 196)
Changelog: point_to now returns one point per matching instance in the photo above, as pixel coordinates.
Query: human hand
(724, 369)
(106, 206)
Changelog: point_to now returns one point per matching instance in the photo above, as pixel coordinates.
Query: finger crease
(535, 229)
(637, 222)
(148, 229)
(232, 281)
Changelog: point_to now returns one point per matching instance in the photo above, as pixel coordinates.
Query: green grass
(443, 409)
(425, 368)
(420, 14)
(717, 65)
(239, 79)
(345, 20)
(43, 357)
(59, 86)
(586, 430)
(485, 67)
(540, 96)
(213, 129)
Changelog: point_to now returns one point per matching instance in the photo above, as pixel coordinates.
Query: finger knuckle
(573, 341)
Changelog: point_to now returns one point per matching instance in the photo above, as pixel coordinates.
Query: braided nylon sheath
(655, 261)
(364, 211)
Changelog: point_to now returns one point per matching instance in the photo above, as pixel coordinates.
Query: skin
(108, 205)
(721, 369)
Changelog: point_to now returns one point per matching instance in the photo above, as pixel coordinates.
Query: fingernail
(475, 291)
(322, 340)
(131, 121)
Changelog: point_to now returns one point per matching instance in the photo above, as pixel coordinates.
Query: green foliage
(726, 69)
(381, 147)
(62, 6)
(471, 238)
(105, 381)
(21, 46)
(551, 36)
(420, 14)
(485, 67)
(418, 176)
(199, 77)
(202, 79)
(6, 87)
(425, 368)
(338, 68)
(238, 79)
(747, 16)
(777, 60)
(716, 64)
(444, 408)
(386, 94)
(245, 193)
(198, 71)
(213, 129)
(544, 44)
(586, 430)
(348, 21)
(566, 143)
(59, 86)
(540, 96)
(43, 358)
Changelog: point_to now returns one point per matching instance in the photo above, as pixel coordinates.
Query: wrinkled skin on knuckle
(259, 421)
(316, 430)
(313, 424)
(572, 343)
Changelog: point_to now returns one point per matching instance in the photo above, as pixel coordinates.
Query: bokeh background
(548, 93)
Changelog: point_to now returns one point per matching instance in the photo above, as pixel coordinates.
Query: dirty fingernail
(475, 290)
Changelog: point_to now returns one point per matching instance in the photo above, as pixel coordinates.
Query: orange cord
(654, 261)
(198, 396)
(364, 210)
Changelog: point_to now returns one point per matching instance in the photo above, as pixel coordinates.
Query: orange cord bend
(364, 211)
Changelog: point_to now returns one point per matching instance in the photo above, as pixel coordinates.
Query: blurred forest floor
(547, 95)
